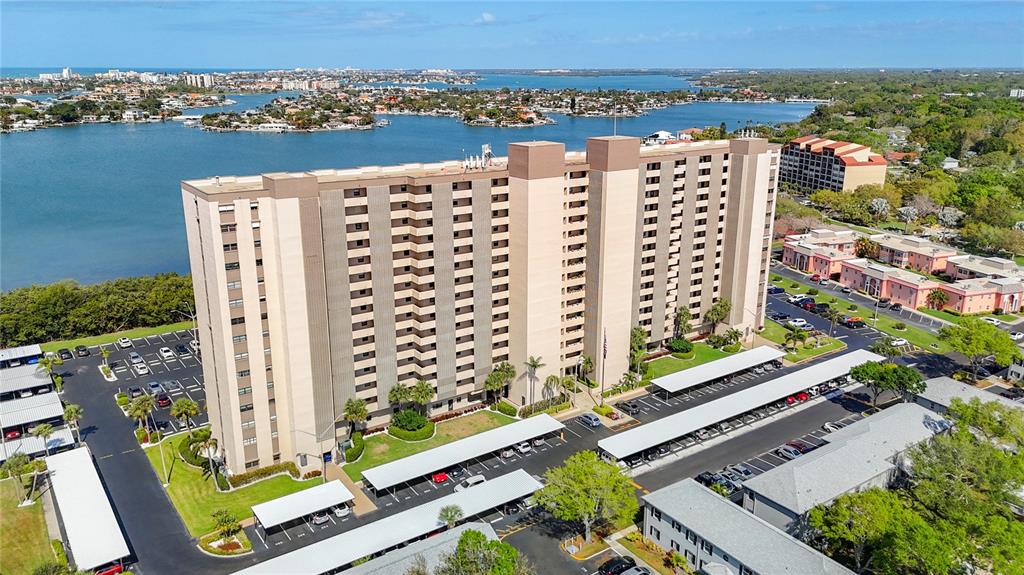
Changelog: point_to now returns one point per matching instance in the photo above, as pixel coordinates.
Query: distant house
(940, 392)
(950, 164)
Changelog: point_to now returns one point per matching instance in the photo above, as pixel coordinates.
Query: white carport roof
(22, 377)
(30, 409)
(685, 422)
(445, 456)
(717, 369)
(343, 549)
(32, 445)
(20, 352)
(301, 503)
(94, 536)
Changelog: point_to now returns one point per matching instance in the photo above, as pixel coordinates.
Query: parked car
(778, 316)
(808, 304)
(831, 427)
(154, 387)
(787, 452)
(797, 322)
(82, 351)
(508, 453)
(984, 373)
(12, 434)
(636, 571)
(124, 342)
(774, 290)
(883, 303)
(456, 472)
(194, 344)
(796, 298)
(820, 308)
(992, 321)
(65, 353)
(801, 446)
(896, 307)
(470, 482)
(134, 357)
(342, 511)
(702, 434)
(731, 475)
(816, 278)
(708, 478)
(898, 342)
(1016, 335)
(524, 447)
(166, 353)
(791, 400)
(170, 386)
(846, 290)
(162, 425)
(439, 477)
(320, 518)
(742, 470)
(628, 407)
(802, 396)
(590, 419)
(181, 349)
(163, 400)
(134, 392)
(141, 369)
(616, 566)
(538, 441)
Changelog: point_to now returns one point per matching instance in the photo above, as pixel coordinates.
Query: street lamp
(190, 316)
(316, 437)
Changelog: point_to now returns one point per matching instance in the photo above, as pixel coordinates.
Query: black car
(81, 351)
(778, 316)
(162, 425)
(707, 478)
(64, 353)
(820, 308)
(181, 349)
(651, 455)
(896, 307)
(134, 392)
(628, 407)
(456, 472)
(775, 290)
(616, 566)
(1013, 393)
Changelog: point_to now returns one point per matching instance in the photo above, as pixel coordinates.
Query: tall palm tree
(733, 334)
(14, 467)
(568, 385)
(795, 336)
(937, 299)
(44, 431)
(105, 353)
(398, 395)
(586, 366)
(73, 414)
(450, 515)
(204, 441)
(355, 412)
(832, 315)
(48, 362)
(551, 383)
(421, 393)
(140, 408)
(532, 364)
(184, 409)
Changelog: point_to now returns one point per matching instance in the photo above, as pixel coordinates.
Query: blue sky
(581, 34)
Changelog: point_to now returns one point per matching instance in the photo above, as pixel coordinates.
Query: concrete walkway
(362, 503)
(613, 542)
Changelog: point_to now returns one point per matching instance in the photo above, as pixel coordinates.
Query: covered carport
(18, 413)
(340, 551)
(278, 513)
(665, 430)
(713, 371)
(443, 457)
(15, 381)
(31, 445)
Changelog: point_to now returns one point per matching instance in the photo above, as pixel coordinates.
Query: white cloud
(485, 18)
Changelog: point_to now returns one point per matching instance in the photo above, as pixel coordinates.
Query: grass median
(777, 334)
(26, 544)
(383, 448)
(702, 353)
(112, 337)
(195, 497)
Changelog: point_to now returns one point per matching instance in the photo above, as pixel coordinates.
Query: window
(244, 373)
(705, 546)
(244, 390)
(231, 266)
(238, 338)
(237, 320)
(234, 285)
(230, 247)
(242, 355)
(226, 208)
(249, 441)
(255, 225)
(245, 407)
(227, 228)
(691, 536)
(655, 533)
(235, 303)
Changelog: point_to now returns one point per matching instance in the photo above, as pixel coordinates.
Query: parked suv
(590, 419)
(628, 407)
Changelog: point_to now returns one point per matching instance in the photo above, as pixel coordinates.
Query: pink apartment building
(912, 252)
(819, 251)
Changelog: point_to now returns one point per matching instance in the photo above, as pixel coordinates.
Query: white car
(141, 369)
(797, 322)
(524, 447)
(124, 343)
(795, 298)
(342, 511)
(470, 482)
(898, 342)
(992, 321)
(1016, 335)
(166, 353)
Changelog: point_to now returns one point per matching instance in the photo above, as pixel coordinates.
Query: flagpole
(604, 363)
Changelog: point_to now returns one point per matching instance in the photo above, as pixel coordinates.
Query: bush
(553, 409)
(604, 410)
(506, 408)
(191, 457)
(122, 400)
(425, 432)
(732, 347)
(59, 552)
(685, 356)
(851, 307)
(899, 326)
(356, 451)
(145, 436)
(812, 292)
(998, 311)
(241, 479)
(716, 341)
(409, 420)
(311, 474)
(542, 405)
(680, 345)
(794, 285)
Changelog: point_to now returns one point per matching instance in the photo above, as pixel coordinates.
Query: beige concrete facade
(314, 288)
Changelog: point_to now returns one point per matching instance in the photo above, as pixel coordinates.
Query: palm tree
(44, 431)
(58, 382)
(532, 364)
(937, 299)
(140, 408)
(832, 315)
(48, 362)
(15, 468)
(183, 409)
(204, 441)
(551, 383)
(683, 318)
(73, 414)
(398, 395)
(450, 515)
(355, 412)
(568, 385)
(733, 335)
(421, 394)
(105, 353)
(865, 247)
(795, 336)
(586, 366)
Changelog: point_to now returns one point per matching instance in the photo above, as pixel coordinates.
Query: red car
(791, 400)
(439, 477)
(816, 278)
(111, 570)
(163, 401)
(12, 434)
(802, 396)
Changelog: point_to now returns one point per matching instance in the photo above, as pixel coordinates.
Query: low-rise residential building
(901, 286)
(912, 252)
(940, 392)
(860, 456)
(819, 251)
(970, 266)
(813, 163)
(718, 537)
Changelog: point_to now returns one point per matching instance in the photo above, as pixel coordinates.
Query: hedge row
(553, 409)
(506, 408)
(353, 453)
(241, 479)
(59, 552)
(194, 459)
(604, 410)
(425, 432)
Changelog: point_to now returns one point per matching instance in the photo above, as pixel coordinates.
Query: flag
(605, 352)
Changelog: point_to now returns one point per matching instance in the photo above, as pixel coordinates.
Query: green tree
(586, 367)
(73, 415)
(588, 491)
(183, 409)
(398, 395)
(49, 362)
(937, 299)
(225, 522)
(552, 383)
(865, 247)
(678, 563)
(832, 315)
(683, 321)
(532, 365)
(421, 394)
(105, 353)
(355, 412)
(44, 431)
(978, 340)
(718, 313)
(637, 349)
(733, 335)
(202, 441)
(15, 466)
(794, 336)
(140, 408)
(879, 377)
(884, 347)
(450, 515)
(477, 555)
(567, 384)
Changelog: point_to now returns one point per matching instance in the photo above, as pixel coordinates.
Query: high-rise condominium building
(315, 288)
(811, 163)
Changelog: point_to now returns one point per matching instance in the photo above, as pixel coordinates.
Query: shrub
(732, 347)
(241, 479)
(541, 405)
(812, 291)
(425, 432)
(356, 451)
(191, 457)
(998, 311)
(311, 474)
(899, 326)
(553, 409)
(604, 410)
(685, 356)
(59, 552)
(122, 400)
(680, 345)
(851, 307)
(794, 285)
(506, 408)
(409, 420)
(143, 436)
(716, 341)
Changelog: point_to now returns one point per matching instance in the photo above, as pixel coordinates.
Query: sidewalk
(362, 503)
(613, 542)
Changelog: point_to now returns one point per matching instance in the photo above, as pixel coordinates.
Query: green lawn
(195, 496)
(776, 333)
(112, 337)
(861, 229)
(383, 448)
(23, 536)
(954, 318)
(703, 353)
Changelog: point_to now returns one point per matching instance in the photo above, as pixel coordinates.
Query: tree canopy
(588, 491)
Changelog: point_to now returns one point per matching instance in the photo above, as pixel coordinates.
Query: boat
(383, 122)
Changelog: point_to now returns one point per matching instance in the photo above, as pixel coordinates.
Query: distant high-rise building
(199, 80)
(813, 163)
(314, 288)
